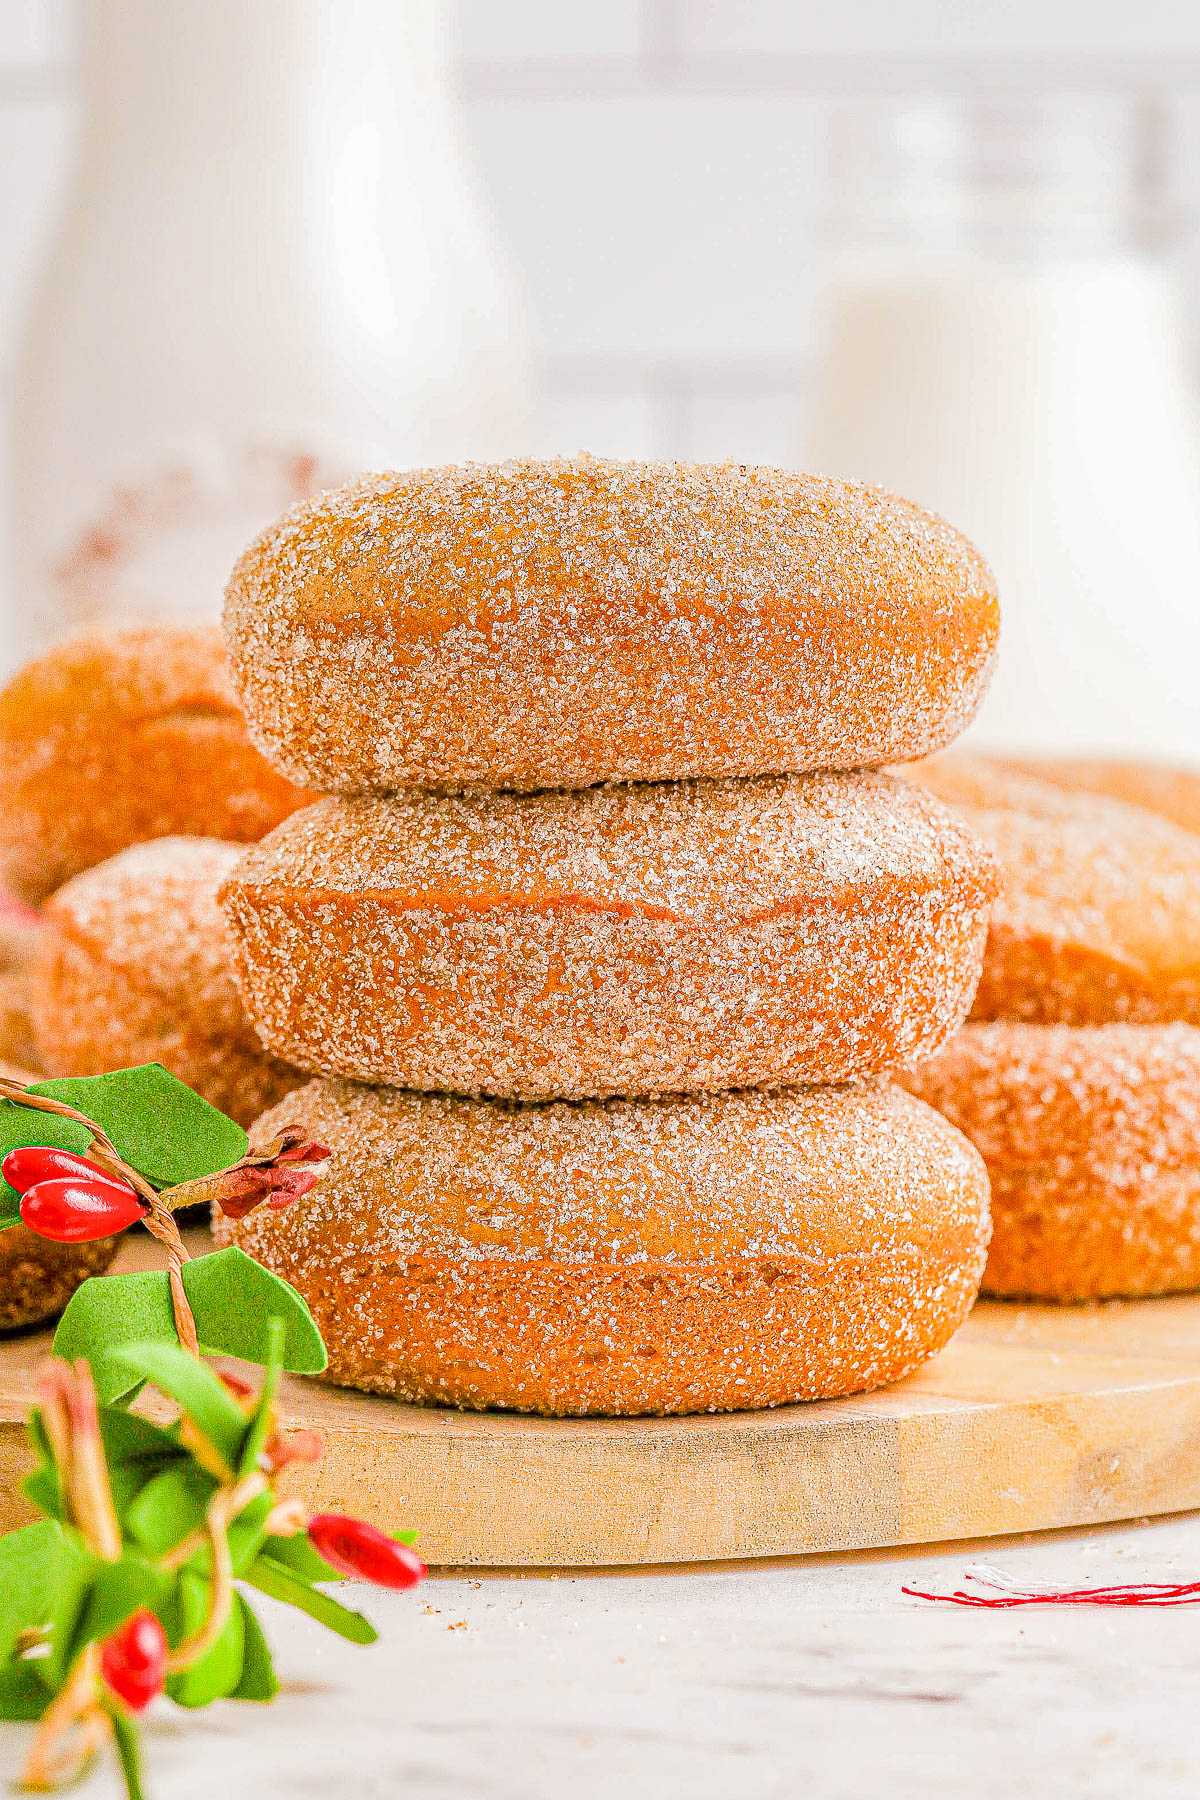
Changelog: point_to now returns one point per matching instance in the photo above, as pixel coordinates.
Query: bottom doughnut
(696, 1254)
(1091, 1135)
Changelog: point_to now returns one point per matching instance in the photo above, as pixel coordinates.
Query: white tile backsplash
(661, 204)
(939, 27)
(658, 227)
(521, 28)
(34, 32)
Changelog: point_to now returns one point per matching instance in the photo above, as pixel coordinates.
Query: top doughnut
(559, 624)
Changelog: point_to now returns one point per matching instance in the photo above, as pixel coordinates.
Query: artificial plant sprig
(129, 1587)
(72, 1147)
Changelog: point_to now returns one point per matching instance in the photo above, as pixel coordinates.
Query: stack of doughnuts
(1078, 1077)
(608, 924)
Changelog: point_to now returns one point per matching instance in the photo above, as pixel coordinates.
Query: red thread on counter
(1146, 1593)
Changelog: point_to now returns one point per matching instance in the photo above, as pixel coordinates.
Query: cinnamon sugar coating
(622, 940)
(557, 624)
(658, 1256)
(134, 968)
(37, 1278)
(1099, 918)
(1091, 1136)
(122, 735)
(1162, 788)
(20, 933)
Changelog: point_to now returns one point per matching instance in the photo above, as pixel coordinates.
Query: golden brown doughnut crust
(627, 940)
(1162, 788)
(37, 1278)
(1099, 918)
(1091, 1136)
(119, 736)
(134, 968)
(20, 932)
(556, 624)
(656, 1256)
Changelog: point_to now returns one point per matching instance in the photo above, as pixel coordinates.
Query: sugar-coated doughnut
(1161, 788)
(654, 1256)
(37, 1278)
(556, 624)
(1091, 1135)
(20, 930)
(1099, 918)
(119, 736)
(133, 968)
(658, 938)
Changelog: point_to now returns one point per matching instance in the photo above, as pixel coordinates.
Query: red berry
(24, 1167)
(134, 1660)
(74, 1211)
(355, 1548)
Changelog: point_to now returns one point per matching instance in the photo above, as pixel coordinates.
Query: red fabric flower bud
(133, 1661)
(275, 1174)
(24, 1167)
(238, 1386)
(355, 1548)
(74, 1211)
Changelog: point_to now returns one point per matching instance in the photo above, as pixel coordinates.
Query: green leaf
(219, 1672)
(74, 1572)
(263, 1419)
(119, 1589)
(248, 1532)
(125, 1734)
(28, 1561)
(299, 1558)
(22, 1694)
(197, 1388)
(170, 1507)
(161, 1128)
(130, 1439)
(234, 1300)
(42, 1490)
(258, 1680)
(270, 1577)
(108, 1313)
(10, 1200)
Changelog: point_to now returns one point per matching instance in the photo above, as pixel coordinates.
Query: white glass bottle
(1004, 345)
(269, 275)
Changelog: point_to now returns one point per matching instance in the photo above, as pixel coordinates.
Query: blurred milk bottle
(269, 275)
(1003, 345)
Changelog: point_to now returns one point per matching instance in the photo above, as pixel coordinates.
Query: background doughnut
(1162, 788)
(133, 968)
(119, 736)
(1091, 1136)
(1099, 917)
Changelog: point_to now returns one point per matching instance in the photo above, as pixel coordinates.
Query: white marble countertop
(812, 1675)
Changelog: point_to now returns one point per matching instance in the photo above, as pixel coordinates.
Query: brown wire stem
(158, 1220)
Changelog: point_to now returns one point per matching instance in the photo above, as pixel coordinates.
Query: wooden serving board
(1034, 1417)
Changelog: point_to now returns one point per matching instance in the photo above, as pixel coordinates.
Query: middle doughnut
(655, 938)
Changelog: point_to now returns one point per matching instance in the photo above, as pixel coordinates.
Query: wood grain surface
(1034, 1417)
